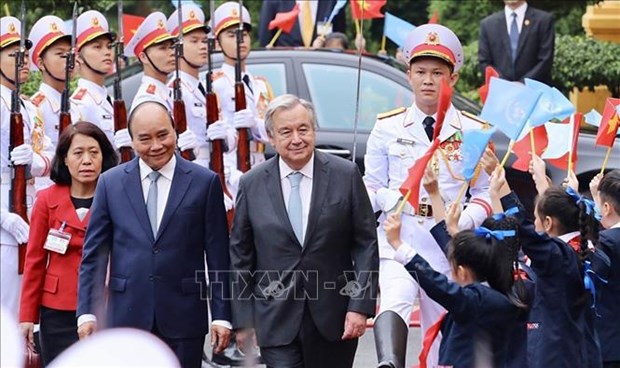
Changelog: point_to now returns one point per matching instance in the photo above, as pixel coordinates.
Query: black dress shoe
(234, 357)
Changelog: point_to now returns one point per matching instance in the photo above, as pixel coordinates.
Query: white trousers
(10, 281)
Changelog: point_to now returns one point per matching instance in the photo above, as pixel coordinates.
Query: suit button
(151, 277)
(155, 250)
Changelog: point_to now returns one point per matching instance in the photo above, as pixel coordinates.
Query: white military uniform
(257, 98)
(33, 134)
(397, 140)
(90, 102)
(152, 89)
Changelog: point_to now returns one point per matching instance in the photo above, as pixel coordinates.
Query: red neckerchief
(575, 243)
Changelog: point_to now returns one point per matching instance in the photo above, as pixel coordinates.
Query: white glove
(389, 199)
(187, 140)
(228, 203)
(217, 130)
(122, 139)
(16, 226)
(22, 155)
(244, 119)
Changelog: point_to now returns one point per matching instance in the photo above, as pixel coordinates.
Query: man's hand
(16, 226)
(220, 338)
(27, 329)
(354, 325)
(86, 329)
(246, 339)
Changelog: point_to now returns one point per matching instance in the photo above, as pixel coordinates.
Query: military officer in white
(50, 44)
(94, 61)
(195, 56)
(35, 153)
(258, 91)
(400, 137)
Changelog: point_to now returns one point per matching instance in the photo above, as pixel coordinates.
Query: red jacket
(50, 278)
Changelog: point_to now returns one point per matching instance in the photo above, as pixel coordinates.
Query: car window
(274, 73)
(333, 90)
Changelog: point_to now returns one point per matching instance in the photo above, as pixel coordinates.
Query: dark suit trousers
(310, 349)
(188, 351)
(58, 332)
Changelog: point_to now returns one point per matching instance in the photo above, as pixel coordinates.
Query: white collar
(617, 225)
(167, 171)
(98, 92)
(569, 236)
(229, 70)
(520, 11)
(420, 115)
(50, 91)
(307, 170)
(189, 80)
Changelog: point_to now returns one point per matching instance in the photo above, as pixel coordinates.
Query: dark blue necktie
(514, 36)
(428, 127)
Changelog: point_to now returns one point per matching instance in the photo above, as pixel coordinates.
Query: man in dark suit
(156, 218)
(518, 42)
(319, 12)
(305, 276)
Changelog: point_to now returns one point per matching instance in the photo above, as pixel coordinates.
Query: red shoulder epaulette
(38, 98)
(79, 94)
(217, 74)
(151, 89)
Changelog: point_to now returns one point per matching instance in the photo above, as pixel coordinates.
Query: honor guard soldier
(94, 61)
(152, 45)
(50, 44)
(258, 91)
(34, 154)
(399, 138)
(195, 39)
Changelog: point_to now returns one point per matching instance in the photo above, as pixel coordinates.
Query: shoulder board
(390, 113)
(261, 79)
(151, 89)
(217, 74)
(473, 117)
(37, 98)
(79, 94)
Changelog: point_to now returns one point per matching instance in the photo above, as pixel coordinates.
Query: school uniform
(474, 329)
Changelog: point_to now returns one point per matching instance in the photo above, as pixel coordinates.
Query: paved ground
(366, 356)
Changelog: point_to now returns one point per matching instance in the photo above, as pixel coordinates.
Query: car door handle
(338, 152)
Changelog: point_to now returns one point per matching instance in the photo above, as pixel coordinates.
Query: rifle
(17, 194)
(65, 115)
(180, 119)
(120, 111)
(243, 145)
(216, 162)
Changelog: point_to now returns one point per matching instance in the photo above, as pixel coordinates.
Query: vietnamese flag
(568, 139)
(523, 148)
(130, 26)
(414, 178)
(489, 72)
(443, 104)
(434, 18)
(285, 20)
(367, 9)
(609, 124)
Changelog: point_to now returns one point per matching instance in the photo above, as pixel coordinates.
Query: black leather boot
(390, 340)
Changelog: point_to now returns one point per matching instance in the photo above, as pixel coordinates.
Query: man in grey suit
(303, 248)
(518, 42)
(155, 219)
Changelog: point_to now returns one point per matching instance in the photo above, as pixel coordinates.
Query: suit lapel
(525, 29)
(274, 188)
(500, 27)
(133, 189)
(320, 183)
(178, 188)
(62, 199)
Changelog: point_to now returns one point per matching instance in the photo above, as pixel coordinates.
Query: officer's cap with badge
(10, 32)
(44, 33)
(91, 25)
(193, 19)
(227, 15)
(151, 32)
(434, 40)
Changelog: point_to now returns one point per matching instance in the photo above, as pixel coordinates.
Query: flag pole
(358, 29)
(532, 143)
(403, 202)
(275, 37)
(570, 147)
(462, 192)
(606, 159)
(383, 42)
(512, 143)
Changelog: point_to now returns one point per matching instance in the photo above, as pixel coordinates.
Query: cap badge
(11, 28)
(54, 27)
(94, 22)
(192, 14)
(160, 24)
(432, 38)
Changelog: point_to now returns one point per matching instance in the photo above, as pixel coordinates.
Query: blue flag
(475, 142)
(185, 2)
(551, 105)
(396, 29)
(593, 118)
(339, 5)
(508, 106)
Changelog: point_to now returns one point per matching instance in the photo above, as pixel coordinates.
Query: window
(275, 75)
(333, 91)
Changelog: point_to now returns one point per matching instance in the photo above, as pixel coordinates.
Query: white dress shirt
(305, 188)
(520, 11)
